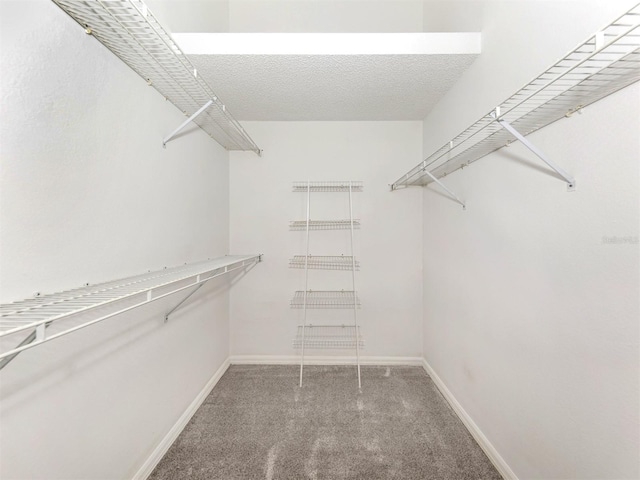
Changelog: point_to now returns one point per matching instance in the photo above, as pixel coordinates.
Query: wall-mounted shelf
(28, 323)
(328, 336)
(131, 32)
(605, 63)
(325, 299)
(327, 186)
(327, 262)
(324, 224)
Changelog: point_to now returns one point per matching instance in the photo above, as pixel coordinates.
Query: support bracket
(200, 281)
(442, 185)
(166, 315)
(571, 182)
(185, 123)
(29, 339)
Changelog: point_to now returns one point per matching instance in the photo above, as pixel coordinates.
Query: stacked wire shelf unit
(311, 336)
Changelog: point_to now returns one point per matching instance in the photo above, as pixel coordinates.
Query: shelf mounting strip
(31, 322)
(602, 65)
(132, 33)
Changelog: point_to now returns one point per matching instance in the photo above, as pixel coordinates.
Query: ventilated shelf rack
(605, 63)
(324, 224)
(131, 32)
(326, 262)
(328, 336)
(29, 323)
(325, 299)
(331, 186)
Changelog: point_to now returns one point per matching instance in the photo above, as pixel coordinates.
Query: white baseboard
(321, 360)
(171, 436)
(474, 430)
(159, 452)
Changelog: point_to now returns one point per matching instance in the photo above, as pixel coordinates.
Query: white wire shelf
(324, 224)
(29, 320)
(131, 32)
(331, 299)
(605, 63)
(333, 186)
(326, 262)
(328, 336)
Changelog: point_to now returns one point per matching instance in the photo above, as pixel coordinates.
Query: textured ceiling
(331, 87)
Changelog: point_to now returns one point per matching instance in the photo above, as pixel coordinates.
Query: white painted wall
(354, 16)
(88, 194)
(388, 244)
(290, 15)
(530, 319)
(191, 15)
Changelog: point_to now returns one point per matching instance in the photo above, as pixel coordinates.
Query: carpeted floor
(257, 424)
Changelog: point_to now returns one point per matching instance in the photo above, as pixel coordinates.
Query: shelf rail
(325, 299)
(332, 186)
(324, 224)
(324, 262)
(132, 33)
(28, 323)
(328, 336)
(605, 63)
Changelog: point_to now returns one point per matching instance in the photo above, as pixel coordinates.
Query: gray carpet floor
(257, 424)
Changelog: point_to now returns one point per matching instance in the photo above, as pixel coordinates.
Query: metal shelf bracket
(571, 182)
(442, 185)
(166, 315)
(185, 123)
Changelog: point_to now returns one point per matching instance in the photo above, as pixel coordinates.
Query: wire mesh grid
(131, 32)
(325, 299)
(328, 336)
(326, 262)
(333, 186)
(31, 313)
(602, 65)
(324, 224)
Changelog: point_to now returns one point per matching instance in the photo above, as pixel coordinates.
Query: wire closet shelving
(309, 336)
(326, 262)
(328, 336)
(28, 323)
(600, 66)
(327, 186)
(132, 33)
(324, 224)
(325, 299)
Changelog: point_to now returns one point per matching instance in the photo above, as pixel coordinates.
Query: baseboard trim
(498, 462)
(162, 448)
(177, 428)
(321, 360)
